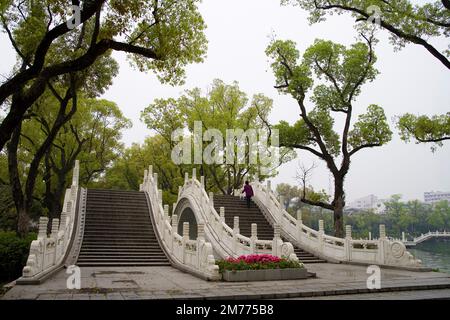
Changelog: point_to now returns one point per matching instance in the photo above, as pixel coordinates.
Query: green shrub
(256, 262)
(13, 254)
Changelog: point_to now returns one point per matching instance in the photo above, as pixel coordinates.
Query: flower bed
(257, 262)
(260, 267)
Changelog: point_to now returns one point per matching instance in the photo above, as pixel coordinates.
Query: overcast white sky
(238, 32)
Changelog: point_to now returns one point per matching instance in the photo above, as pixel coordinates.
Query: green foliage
(178, 37)
(292, 195)
(412, 217)
(127, 170)
(344, 71)
(371, 128)
(423, 129)
(13, 254)
(224, 107)
(225, 265)
(172, 29)
(406, 20)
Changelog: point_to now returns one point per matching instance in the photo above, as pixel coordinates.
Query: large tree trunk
(16, 186)
(339, 203)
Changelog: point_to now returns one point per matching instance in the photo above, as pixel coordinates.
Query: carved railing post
(320, 235)
(42, 233)
(146, 177)
(277, 242)
(200, 241)
(281, 203)
(155, 179)
(186, 177)
(55, 228)
(299, 224)
(321, 227)
(150, 171)
(382, 231)
(222, 213)
(54, 236)
(76, 173)
(201, 231)
(175, 223)
(236, 224)
(194, 173)
(254, 237)
(382, 244)
(185, 239)
(211, 198)
(160, 197)
(348, 231)
(202, 181)
(348, 242)
(166, 212)
(235, 233)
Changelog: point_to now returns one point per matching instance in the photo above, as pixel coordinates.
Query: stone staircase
(118, 231)
(234, 206)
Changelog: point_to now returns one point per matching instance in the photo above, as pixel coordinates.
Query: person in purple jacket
(248, 192)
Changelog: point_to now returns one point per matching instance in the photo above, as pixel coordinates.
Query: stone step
(104, 196)
(117, 234)
(114, 218)
(122, 259)
(119, 231)
(123, 264)
(130, 235)
(113, 191)
(119, 246)
(109, 255)
(115, 207)
(119, 250)
(119, 227)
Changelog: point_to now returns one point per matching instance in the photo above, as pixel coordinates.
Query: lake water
(434, 254)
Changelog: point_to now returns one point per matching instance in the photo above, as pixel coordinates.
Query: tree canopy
(407, 22)
(333, 76)
(159, 36)
(223, 107)
(422, 129)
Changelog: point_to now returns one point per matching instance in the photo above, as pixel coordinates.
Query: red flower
(255, 258)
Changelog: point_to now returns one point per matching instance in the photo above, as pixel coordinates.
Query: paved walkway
(442, 294)
(169, 283)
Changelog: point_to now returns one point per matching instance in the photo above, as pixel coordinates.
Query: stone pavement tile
(97, 296)
(46, 296)
(80, 296)
(64, 296)
(89, 283)
(158, 294)
(114, 296)
(130, 295)
(20, 296)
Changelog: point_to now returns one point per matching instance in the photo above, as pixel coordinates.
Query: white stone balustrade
(227, 241)
(382, 251)
(48, 251)
(195, 256)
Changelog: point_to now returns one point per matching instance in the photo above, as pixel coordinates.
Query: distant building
(433, 197)
(370, 202)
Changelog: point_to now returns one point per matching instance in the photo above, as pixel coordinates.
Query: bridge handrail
(230, 239)
(426, 236)
(196, 255)
(381, 251)
(49, 251)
